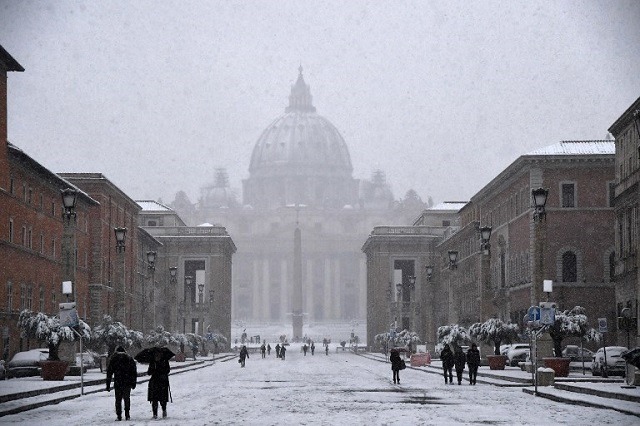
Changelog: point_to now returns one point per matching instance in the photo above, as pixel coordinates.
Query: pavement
(578, 388)
(26, 393)
(22, 394)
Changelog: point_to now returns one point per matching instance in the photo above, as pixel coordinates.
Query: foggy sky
(441, 95)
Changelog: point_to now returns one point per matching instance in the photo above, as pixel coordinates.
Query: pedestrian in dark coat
(283, 350)
(313, 348)
(263, 350)
(459, 359)
(396, 365)
(244, 353)
(446, 356)
(305, 348)
(473, 361)
(268, 349)
(122, 368)
(277, 350)
(158, 384)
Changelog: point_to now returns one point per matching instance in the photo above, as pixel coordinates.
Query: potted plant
(181, 340)
(47, 329)
(110, 334)
(494, 331)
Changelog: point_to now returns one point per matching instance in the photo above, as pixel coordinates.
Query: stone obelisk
(296, 302)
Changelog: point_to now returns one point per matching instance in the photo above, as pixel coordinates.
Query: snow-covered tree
(454, 335)
(403, 338)
(112, 334)
(217, 339)
(571, 323)
(47, 329)
(493, 332)
(160, 337)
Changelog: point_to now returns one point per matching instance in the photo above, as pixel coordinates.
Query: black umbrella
(147, 355)
(632, 356)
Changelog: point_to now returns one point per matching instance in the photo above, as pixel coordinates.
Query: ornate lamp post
(187, 283)
(453, 265)
(69, 198)
(429, 271)
(539, 198)
(453, 259)
(485, 236)
(120, 234)
(151, 265)
(484, 293)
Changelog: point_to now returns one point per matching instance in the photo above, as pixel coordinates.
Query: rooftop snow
(449, 205)
(154, 206)
(596, 147)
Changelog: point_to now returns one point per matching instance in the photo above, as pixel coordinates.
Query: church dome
(300, 141)
(300, 158)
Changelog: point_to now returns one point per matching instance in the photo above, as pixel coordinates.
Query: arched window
(569, 267)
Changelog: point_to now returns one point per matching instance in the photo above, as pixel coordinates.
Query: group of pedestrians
(457, 360)
(123, 371)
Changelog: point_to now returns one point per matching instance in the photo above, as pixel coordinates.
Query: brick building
(626, 131)
(573, 246)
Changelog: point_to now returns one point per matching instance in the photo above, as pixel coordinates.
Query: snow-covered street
(340, 388)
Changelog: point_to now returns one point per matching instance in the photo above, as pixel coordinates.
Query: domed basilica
(300, 175)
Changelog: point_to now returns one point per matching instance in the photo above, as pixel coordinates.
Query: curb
(565, 400)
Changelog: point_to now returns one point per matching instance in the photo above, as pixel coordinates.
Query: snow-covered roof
(449, 205)
(153, 206)
(594, 147)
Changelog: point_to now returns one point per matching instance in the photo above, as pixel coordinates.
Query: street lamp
(187, 283)
(211, 296)
(429, 270)
(453, 259)
(539, 196)
(120, 234)
(485, 236)
(69, 198)
(151, 265)
(200, 290)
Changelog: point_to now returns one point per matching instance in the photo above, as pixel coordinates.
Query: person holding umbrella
(158, 391)
(122, 368)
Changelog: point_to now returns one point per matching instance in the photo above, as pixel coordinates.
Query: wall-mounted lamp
(539, 196)
(453, 259)
(485, 236)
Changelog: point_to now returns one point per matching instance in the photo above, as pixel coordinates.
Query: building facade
(626, 131)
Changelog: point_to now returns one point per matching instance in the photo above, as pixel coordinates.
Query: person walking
(244, 354)
(473, 361)
(277, 350)
(326, 349)
(263, 350)
(446, 356)
(158, 391)
(305, 348)
(459, 359)
(283, 350)
(396, 365)
(313, 348)
(122, 368)
(268, 349)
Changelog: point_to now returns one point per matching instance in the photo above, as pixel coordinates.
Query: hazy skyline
(442, 96)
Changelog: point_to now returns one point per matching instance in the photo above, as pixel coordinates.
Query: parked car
(89, 360)
(576, 354)
(615, 364)
(518, 353)
(504, 349)
(27, 363)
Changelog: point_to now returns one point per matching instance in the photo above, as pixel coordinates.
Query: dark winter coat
(459, 359)
(159, 382)
(122, 368)
(446, 356)
(473, 357)
(244, 353)
(396, 361)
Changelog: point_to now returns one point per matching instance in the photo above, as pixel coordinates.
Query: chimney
(7, 63)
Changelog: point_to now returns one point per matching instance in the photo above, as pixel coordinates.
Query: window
(569, 267)
(568, 195)
(53, 208)
(10, 230)
(612, 266)
(11, 185)
(30, 298)
(152, 223)
(24, 235)
(612, 193)
(30, 238)
(53, 248)
(41, 300)
(23, 291)
(446, 223)
(30, 196)
(42, 243)
(9, 296)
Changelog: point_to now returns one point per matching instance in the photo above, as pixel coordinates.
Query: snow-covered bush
(454, 334)
(571, 323)
(160, 337)
(405, 338)
(47, 329)
(493, 332)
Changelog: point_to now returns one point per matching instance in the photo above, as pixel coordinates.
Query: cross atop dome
(300, 98)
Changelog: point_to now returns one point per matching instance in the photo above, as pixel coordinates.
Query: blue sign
(534, 313)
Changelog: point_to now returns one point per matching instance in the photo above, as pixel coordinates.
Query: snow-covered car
(518, 353)
(27, 363)
(576, 354)
(616, 365)
(504, 349)
(89, 360)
